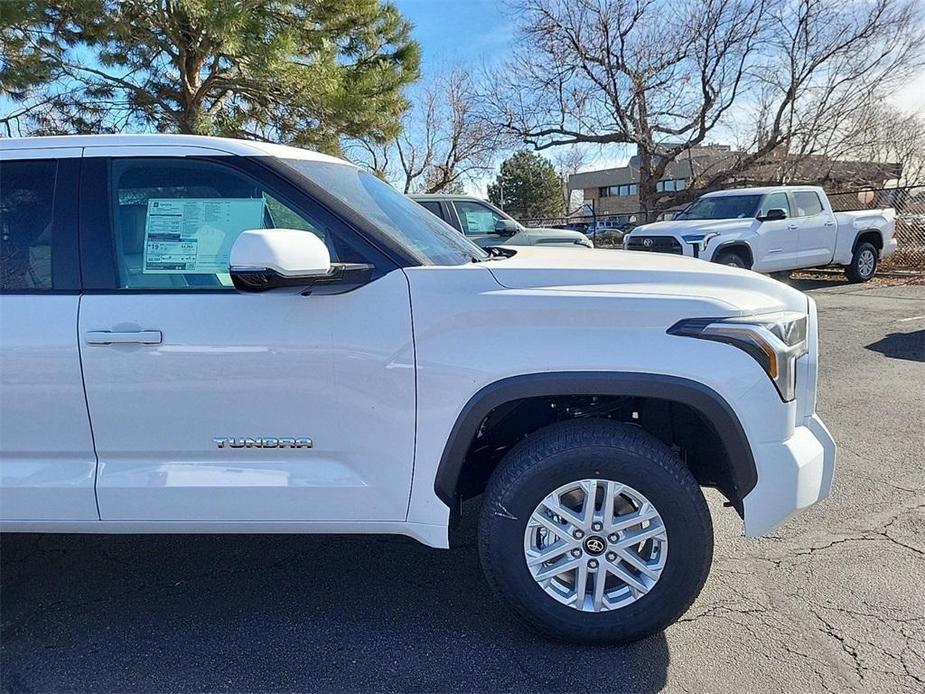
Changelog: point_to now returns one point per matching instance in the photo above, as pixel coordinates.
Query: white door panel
(337, 369)
(776, 245)
(816, 229)
(817, 239)
(47, 463)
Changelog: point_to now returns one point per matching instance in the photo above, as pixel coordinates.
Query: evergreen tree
(307, 72)
(527, 187)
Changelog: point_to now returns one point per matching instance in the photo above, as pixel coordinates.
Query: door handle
(830, 224)
(139, 337)
(793, 226)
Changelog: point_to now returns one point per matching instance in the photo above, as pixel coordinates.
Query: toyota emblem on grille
(648, 242)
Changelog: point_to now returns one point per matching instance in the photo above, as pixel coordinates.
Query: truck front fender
(737, 243)
(740, 472)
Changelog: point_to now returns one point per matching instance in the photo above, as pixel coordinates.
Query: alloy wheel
(595, 545)
(866, 262)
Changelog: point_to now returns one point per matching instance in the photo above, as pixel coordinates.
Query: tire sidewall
(857, 261)
(689, 547)
(730, 259)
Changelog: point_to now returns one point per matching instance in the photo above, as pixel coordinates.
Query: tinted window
(722, 207)
(432, 206)
(775, 201)
(806, 204)
(476, 219)
(176, 220)
(27, 196)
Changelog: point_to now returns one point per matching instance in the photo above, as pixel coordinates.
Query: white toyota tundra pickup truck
(773, 230)
(201, 335)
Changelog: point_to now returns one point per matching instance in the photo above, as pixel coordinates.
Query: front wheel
(863, 263)
(730, 258)
(594, 531)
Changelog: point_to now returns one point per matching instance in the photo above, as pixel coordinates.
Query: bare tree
(887, 137)
(568, 161)
(443, 144)
(664, 75)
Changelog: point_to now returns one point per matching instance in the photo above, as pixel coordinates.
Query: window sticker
(195, 235)
(477, 222)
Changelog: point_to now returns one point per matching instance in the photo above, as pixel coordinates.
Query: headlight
(774, 340)
(701, 239)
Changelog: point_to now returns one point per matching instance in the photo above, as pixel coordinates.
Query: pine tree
(307, 72)
(527, 187)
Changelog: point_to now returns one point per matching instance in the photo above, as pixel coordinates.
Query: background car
(486, 225)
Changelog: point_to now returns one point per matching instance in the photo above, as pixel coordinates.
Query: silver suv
(486, 225)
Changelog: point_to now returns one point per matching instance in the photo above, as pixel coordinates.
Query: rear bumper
(888, 248)
(792, 475)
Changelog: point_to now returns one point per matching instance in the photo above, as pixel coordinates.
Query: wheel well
(680, 426)
(871, 236)
(740, 249)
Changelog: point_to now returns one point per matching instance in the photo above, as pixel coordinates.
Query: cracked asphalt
(834, 600)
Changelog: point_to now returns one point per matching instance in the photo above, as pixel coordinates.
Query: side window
(806, 203)
(432, 206)
(775, 201)
(27, 196)
(175, 220)
(476, 218)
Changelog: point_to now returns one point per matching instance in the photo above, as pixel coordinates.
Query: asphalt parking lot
(835, 600)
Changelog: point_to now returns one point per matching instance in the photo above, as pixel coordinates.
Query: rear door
(190, 383)
(47, 463)
(816, 229)
(436, 208)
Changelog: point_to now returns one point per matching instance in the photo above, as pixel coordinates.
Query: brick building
(614, 193)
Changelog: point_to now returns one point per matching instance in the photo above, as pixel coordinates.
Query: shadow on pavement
(805, 285)
(278, 612)
(910, 346)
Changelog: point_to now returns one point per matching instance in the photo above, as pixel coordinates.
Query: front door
(816, 229)
(777, 239)
(210, 405)
(478, 222)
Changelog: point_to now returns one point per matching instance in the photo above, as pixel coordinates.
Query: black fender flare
(734, 244)
(708, 403)
(870, 231)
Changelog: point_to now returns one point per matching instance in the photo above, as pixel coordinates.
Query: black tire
(863, 263)
(731, 258)
(587, 449)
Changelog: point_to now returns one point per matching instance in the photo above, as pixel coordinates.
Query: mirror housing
(506, 227)
(263, 259)
(773, 215)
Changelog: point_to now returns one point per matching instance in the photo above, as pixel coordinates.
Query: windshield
(722, 207)
(429, 240)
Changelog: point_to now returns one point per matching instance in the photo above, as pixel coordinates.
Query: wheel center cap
(595, 545)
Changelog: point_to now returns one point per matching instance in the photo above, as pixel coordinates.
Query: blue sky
(471, 32)
(476, 33)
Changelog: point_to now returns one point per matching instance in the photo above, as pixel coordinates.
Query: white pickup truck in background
(775, 229)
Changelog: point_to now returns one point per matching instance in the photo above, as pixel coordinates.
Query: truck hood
(722, 291)
(693, 226)
(544, 232)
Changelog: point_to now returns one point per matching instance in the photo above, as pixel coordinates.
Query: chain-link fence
(907, 201)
